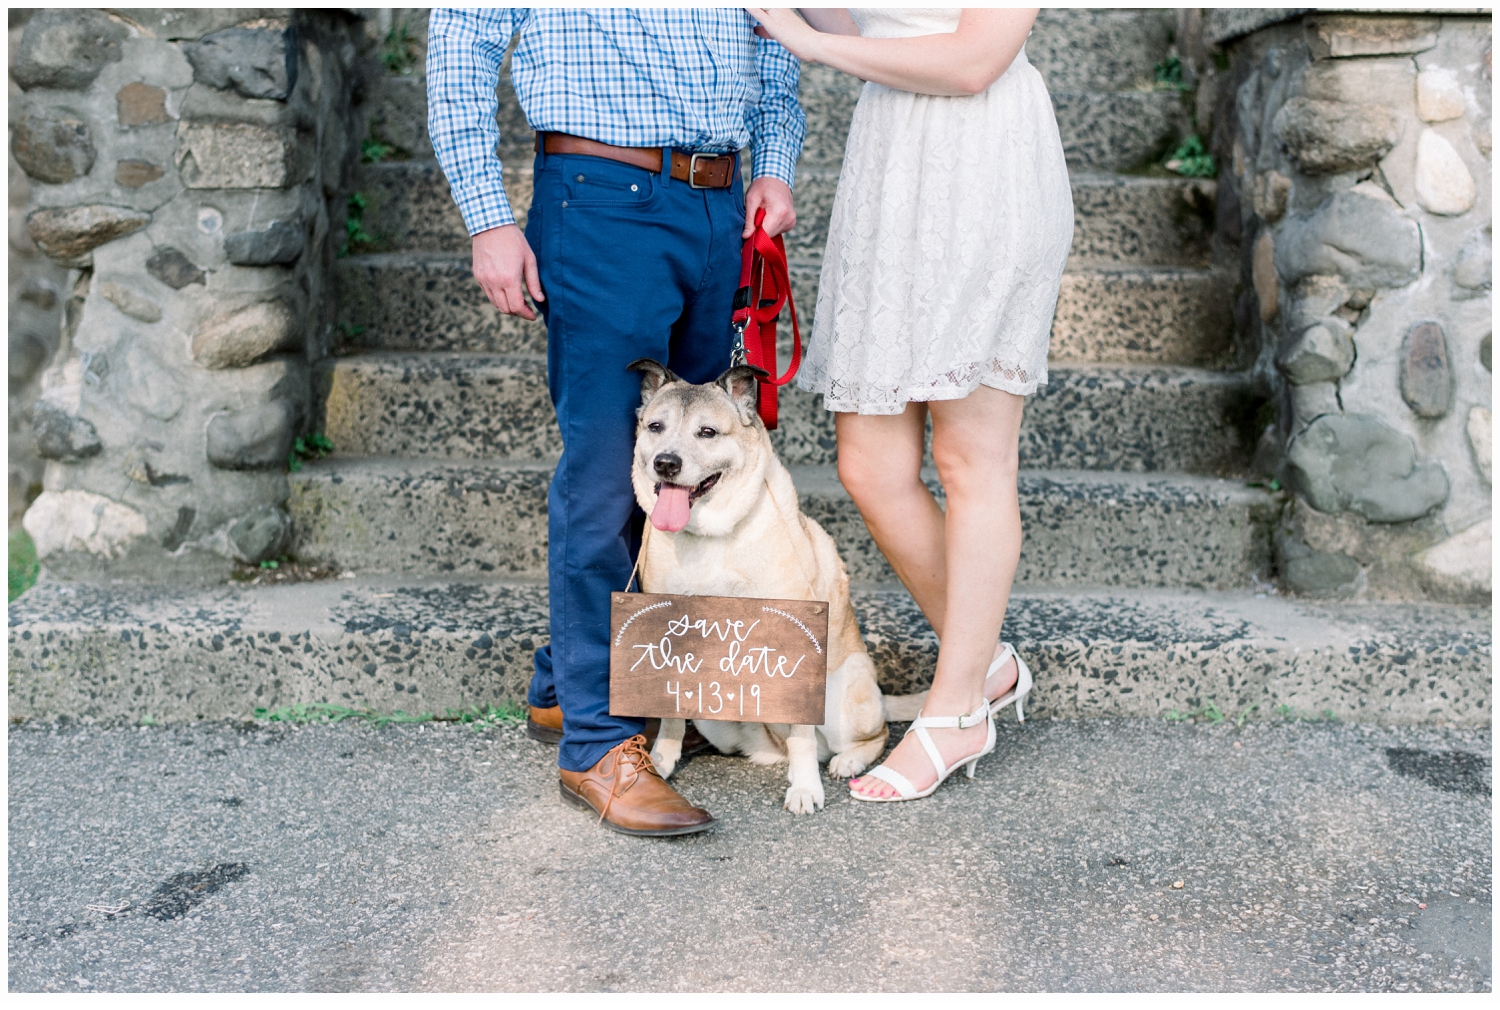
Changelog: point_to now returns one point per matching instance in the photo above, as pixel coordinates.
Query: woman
(946, 248)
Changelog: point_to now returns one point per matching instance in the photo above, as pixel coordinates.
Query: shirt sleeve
(778, 124)
(464, 51)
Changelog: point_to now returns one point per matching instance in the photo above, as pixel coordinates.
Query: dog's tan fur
(746, 536)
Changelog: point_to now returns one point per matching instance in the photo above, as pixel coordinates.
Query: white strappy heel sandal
(1022, 686)
(904, 789)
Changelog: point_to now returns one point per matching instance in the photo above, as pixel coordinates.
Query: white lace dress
(950, 229)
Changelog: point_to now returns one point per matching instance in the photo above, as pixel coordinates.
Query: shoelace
(635, 747)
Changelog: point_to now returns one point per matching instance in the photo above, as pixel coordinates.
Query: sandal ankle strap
(974, 718)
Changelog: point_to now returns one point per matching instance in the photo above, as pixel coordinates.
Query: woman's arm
(964, 62)
(831, 20)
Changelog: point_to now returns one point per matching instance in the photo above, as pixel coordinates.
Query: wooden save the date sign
(717, 657)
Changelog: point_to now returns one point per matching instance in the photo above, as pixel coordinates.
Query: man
(631, 250)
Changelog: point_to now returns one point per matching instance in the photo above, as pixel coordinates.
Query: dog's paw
(768, 756)
(804, 799)
(847, 765)
(665, 763)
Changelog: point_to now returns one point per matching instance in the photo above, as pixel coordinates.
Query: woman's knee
(964, 461)
(870, 477)
(878, 455)
(969, 447)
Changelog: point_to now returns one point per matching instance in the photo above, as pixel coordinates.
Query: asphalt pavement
(1087, 855)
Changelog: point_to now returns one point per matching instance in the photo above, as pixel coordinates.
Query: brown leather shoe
(629, 797)
(544, 724)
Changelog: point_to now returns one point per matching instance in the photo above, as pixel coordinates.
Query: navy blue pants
(634, 264)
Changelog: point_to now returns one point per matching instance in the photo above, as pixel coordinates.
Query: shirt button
(578, 178)
(565, 203)
(634, 187)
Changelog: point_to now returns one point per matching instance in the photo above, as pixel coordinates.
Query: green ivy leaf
(1192, 159)
(1168, 74)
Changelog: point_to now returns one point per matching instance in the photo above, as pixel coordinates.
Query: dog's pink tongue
(671, 512)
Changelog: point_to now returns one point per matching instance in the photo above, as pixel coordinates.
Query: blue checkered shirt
(695, 79)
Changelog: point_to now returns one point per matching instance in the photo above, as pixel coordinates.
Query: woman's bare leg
(976, 448)
(880, 465)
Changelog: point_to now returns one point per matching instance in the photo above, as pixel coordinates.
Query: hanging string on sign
(765, 286)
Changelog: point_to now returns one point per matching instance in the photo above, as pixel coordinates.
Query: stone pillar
(181, 172)
(1357, 184)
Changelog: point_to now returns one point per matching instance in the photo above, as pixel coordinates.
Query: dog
(725, 522)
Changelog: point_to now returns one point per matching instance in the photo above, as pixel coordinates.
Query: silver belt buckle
(693, 169)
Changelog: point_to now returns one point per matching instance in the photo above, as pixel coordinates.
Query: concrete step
(1080, 49)
(1082, 528)
(395, 112)
(410, 209)
(1121, 220)
(1126, 220)
(1126, 315)
(1143, 315)
(426, 301)
(460, 406)
(468, 517)
(1140, 315)
(444, 405)
(1120, 131)
(1140, 418)
(173, 654)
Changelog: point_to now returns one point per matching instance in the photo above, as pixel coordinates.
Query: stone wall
(1357, 185)
(176, 175)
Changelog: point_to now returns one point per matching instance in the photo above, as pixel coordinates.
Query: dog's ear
(742, 383)
(654, 375)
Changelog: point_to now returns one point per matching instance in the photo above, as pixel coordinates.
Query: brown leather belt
(700, 171)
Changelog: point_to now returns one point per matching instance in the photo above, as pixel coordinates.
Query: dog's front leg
(805, 794)
(667, 750)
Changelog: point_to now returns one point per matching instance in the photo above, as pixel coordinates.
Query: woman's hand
(780, 23)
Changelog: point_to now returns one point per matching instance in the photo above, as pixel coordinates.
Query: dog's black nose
(668, 465)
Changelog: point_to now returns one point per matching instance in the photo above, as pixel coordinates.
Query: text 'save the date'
(717, 657)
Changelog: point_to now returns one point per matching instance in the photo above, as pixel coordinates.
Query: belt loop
(666, 167)
(541, 150)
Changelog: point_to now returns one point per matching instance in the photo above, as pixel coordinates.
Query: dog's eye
(706, 432)
(654, 426)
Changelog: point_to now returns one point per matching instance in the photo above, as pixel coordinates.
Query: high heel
(1022, 686)
(904, 789)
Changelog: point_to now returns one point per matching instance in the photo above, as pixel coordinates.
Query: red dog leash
(765, 286)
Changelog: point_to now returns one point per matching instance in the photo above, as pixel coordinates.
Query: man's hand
(772, 194)
(503, 261)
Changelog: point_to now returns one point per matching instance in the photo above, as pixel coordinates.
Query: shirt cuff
(778, 160)
(483, 205)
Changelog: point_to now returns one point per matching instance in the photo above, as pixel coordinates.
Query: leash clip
(737, 355)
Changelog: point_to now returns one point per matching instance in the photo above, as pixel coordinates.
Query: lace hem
(953, 385)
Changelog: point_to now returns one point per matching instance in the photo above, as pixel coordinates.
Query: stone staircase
(1144, 583)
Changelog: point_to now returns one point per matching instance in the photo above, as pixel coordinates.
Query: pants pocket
(599, 182)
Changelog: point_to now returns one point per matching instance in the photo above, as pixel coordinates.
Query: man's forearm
(777, 124)
(464, 50)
